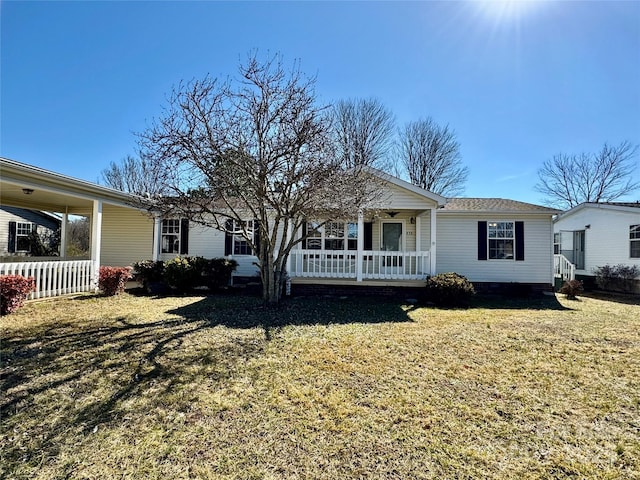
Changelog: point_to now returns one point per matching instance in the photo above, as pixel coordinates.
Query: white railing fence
(374, 264)
(54, 278)
(563, 268)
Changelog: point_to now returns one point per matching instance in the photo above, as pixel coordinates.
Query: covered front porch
(384, 245)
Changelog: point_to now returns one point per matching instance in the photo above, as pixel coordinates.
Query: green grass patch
(326, 388)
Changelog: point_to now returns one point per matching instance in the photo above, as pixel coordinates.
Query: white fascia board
(597, 206)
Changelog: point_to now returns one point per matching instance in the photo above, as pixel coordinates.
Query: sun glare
(505, 10)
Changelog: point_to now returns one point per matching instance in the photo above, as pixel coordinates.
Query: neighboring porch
(118, 232)
(563, 268)
(396, 245)
(55, 277)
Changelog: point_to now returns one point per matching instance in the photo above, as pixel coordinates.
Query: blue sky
(517, 81)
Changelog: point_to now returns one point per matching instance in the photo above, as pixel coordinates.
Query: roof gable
(404, 185)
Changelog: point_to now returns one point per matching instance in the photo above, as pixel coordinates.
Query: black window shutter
(256, 237)
(368, 235)
(228, 238)
(184, 236)
(304, 234)
(520, 241)
(11, 246)
(482, 240)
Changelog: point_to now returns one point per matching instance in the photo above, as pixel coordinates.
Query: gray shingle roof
(618, 204)
(494, 205)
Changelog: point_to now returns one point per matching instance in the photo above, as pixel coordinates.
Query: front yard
(326, 388)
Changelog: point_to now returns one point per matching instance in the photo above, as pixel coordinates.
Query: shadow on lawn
(61, 381)
(249, 312)
(534, 302)
(624, 298)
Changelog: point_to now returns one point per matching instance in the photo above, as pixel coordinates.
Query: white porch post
(432, 249)
(360, 243)
(157, 225)
(418, 233)
(96, 239)
(287, 240)
(63, 236)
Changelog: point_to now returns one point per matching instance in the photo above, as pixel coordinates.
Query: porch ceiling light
(27, 191)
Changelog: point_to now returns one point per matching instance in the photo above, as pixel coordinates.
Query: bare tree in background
(78, 234)
(251, 154)
(134, 175)
(431, 156)
(363, 132)
(568, 180)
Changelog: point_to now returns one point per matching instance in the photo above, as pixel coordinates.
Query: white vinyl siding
(425, 232)
(205, 242)
(457, 249)
(127, 236)
(397, 198)
(606, 239)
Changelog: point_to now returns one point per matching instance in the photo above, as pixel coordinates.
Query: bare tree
(78, 233)
(431, 156)
(134, 175)
(254, 152)
(568, 180)
(363, 132)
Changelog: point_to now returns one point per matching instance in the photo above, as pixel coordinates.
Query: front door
(578, 249)
(391, 241)
(391, 237)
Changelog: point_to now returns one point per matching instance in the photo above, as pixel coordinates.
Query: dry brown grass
(218, 387)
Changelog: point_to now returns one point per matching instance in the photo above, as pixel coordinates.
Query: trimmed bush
(112, 280)
(617, 278)
(218, 272)
(572, 288)
(184, 273)
(149, 272)
(450, 290)
(14, 290)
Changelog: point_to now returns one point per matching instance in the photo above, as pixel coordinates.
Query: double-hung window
(332, 236)
(171, 235)
(501, 240)
(23, 230)
(240, 244)
(634, 241)
(557, 240)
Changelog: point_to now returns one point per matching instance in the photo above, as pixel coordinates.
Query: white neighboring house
(592, 235)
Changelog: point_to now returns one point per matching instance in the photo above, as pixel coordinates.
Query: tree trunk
(273, 278)
(270, 284)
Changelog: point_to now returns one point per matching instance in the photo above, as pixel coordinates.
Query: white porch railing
(54, 278)
(375, 264)
(563, 268)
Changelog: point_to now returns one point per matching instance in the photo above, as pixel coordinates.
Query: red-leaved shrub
(112, 280)
(14, 290)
